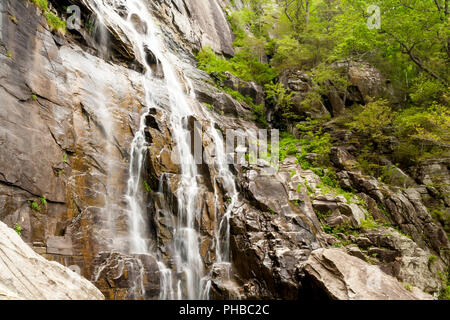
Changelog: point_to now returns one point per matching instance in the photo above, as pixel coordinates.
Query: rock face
(197, 23)
(69, 113)
(24, 274)
(365, 83)
(344, 277)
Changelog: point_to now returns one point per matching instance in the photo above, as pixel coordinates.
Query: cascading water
(190, 282)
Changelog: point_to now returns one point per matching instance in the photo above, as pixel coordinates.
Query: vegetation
(53, 21)
(410, 47)
(18, 229)
(243, 65)
(34, 205)
(42, 4)
(147, 186)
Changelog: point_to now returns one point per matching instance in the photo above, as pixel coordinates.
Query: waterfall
(192, 283)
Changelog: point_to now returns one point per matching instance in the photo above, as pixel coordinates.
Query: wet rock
(122, 277)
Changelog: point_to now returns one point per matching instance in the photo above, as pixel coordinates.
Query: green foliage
(65, 157)
(147, 186)
(432, 258)
(281, 99)
(43, 200)
(423, 133)
(445, 292)
(35, 206)
(42, 4)
(345, 229)
(288, 145)
(443, 217)
(18, 229)
(322, 216)
(55, 23)
(34, 97)
(325, 79)
(314, 140)
(369, 224)
(209, 106)
(243, 65)
(373, 120)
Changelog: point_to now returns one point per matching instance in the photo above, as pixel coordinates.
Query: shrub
(278, 95)
(373, 121)
(288, 145)
(243, 65)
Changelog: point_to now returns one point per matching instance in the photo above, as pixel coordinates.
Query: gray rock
(26, 275)
(344, 277)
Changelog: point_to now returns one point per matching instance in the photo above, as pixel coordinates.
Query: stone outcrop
(365, 83)
(196, 23)
(69, 113)
(344, 277)
(24, 274)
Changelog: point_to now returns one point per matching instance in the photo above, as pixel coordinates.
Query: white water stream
(193, 284)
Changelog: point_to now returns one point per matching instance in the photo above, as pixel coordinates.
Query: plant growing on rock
(55, 23)
(34, 205)
(42, 4)
(147, 186)
(18, 229)
(373, 121)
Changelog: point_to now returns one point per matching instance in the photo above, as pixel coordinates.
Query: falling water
(189, 266)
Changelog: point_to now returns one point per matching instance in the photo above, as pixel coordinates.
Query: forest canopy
(407, 40)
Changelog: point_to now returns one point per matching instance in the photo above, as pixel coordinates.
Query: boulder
(24, 274)
(344, 277)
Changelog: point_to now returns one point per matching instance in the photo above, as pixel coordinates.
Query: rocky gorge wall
(68, 115)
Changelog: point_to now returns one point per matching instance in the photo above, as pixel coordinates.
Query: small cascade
(183, 277)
